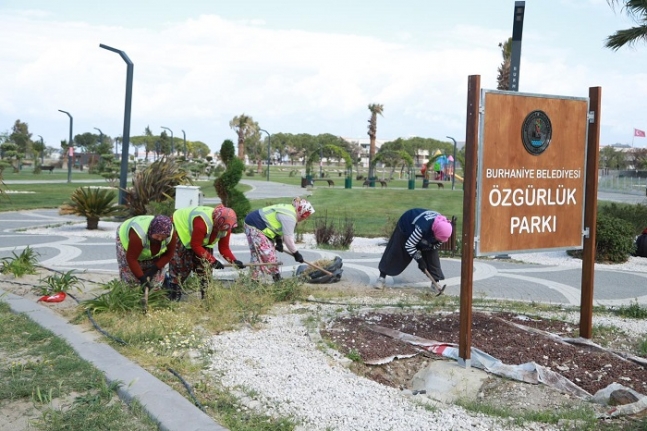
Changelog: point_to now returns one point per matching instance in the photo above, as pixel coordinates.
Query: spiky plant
(92, 203)
(155, 183)
(20, 264)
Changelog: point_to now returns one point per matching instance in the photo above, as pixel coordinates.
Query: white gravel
(278, 370)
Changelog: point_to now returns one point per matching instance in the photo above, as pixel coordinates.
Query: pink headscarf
(441, 228)
(224, 218)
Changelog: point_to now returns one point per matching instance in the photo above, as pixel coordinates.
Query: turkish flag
(639, 133)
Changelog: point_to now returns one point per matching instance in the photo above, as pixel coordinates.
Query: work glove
(144, 280)
(422, 265)
(297, 256)
(216, 264)
(437, 245)
(239, 264)
(151, 272)
(279, 245)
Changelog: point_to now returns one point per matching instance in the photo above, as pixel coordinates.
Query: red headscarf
(224, 218)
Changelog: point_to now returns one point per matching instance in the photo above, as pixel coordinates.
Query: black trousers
(396, 259)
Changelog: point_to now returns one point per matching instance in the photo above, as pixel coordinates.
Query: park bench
(368, 183)
(331, 183)
(425, 184)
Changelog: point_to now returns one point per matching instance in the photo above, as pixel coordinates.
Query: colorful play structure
(442, 168)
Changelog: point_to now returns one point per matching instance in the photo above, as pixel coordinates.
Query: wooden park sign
(531, 172)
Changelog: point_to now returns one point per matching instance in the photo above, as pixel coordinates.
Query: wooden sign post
(537, 162)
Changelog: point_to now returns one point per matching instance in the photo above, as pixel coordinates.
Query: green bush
(615, 239)
(166, 208)
(636, 214)
(226, 183)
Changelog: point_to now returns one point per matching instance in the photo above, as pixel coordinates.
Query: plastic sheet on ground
(529, 372)
(320, 277)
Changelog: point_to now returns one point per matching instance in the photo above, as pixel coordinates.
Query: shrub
(636, 214)
(166, 208)
(226, 183)
(19, 265)
(92, 203)
(327, 234)
(615, 239)
(155, 183)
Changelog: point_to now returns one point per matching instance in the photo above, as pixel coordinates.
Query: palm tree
(637, 9)
(503, 76)
(245, 127)
(376, 109)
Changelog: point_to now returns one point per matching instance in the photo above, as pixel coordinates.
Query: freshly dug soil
(494, 334)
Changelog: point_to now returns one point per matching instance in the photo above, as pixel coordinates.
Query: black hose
(119, 340)
(98, 328)
(188, 388)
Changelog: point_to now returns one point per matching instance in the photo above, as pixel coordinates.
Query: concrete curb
(164, 405)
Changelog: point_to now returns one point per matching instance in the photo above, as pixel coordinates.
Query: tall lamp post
(269, 143)
(42, 150)
(172, 147)
(70, 148)
(454, 167)
(125, 141)
(185, 152)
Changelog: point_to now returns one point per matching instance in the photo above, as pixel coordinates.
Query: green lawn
(372, 209)
(40, 371)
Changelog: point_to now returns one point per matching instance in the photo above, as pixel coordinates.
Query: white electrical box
(187, 196)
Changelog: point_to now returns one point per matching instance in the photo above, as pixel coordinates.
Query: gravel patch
(279, 370)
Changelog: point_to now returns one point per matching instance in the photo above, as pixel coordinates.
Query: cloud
(199, 73)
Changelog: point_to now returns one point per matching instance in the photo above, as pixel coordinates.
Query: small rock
(621, 397)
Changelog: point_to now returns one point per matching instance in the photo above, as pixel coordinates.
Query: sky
(299, 66)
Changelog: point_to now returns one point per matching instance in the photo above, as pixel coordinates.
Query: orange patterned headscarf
(224, 218)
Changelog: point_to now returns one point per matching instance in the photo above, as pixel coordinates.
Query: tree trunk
(92, 223)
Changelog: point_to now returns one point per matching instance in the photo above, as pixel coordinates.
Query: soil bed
(494, 334)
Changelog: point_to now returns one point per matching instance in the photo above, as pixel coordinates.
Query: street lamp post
(70, 148)
(454, 167)
(42, 150)
(125, 142)
(269, 143)
(185, 152)
(172, 147)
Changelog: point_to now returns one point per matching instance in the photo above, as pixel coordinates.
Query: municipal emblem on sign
(536, 132)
